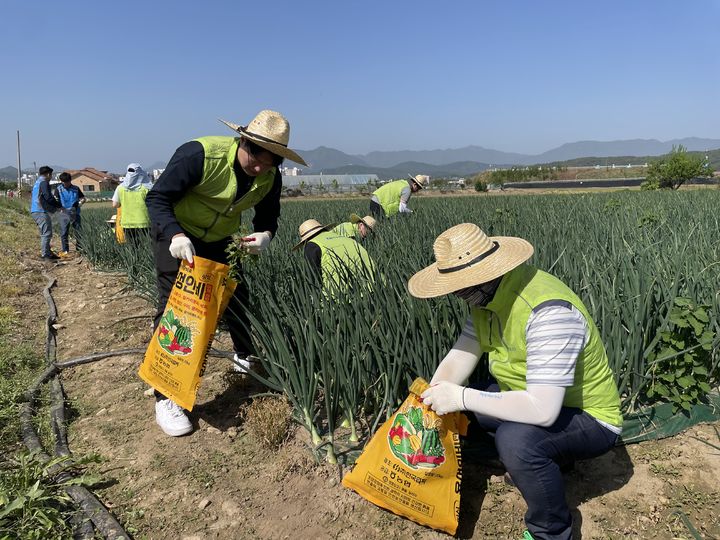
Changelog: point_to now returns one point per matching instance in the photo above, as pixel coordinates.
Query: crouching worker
(337, 259)
(392, 198)
(555, 400)
(195, 207)
(358, 228)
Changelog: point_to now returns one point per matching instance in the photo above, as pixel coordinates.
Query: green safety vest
(389, 196)
(500, 328)
(209, 210)
(342, 258)
(134, 213)
(347, 229)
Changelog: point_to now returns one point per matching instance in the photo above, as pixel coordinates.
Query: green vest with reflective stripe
(389, 196)
(342, 259)
(347, 229)
(500, 328)
(134, 213)
(209, 210)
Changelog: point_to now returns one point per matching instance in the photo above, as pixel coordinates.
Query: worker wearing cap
(554, 399)
(336, 258)
(71, 198)
(357, 227)
(195, 207)
(393, 197)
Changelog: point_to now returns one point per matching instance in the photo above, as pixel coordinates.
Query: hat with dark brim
(464, 257)
(271, 131)
(418, 182)
(310, 228)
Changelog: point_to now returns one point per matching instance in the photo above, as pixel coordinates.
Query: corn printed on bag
(176, 356)
(412, 465)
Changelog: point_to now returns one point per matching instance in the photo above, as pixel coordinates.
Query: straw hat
(310, 228)
(464, 257)
(418, 182)
(271, 131)
(369, 221)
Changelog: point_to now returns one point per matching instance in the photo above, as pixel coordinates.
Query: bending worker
(336, 258)
(555, 399)
(195, 208)
(357, 227)
(393, 197)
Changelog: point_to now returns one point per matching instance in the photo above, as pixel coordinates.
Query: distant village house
(92, 180)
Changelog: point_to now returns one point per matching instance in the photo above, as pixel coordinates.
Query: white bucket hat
(271, 131)
(465, 256)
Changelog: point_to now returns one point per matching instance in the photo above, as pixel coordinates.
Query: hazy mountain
(442, 157)
(464, 161)
(633, 147)
(328, 158)
(401, 170)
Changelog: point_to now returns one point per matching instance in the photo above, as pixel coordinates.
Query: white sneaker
(171, 418)
(241, 365)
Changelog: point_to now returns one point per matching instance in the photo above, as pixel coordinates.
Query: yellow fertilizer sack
(119, 231)
(412, 465)
(176, 356)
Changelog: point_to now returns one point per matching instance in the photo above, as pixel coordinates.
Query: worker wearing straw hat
(195, 207)
(392, 198)
(335, 257)
(358, 227)
(555, 399)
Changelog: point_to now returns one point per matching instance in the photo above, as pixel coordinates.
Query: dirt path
(218, 483)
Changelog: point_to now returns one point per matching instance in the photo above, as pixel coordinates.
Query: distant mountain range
(465, 161)
(331, 161)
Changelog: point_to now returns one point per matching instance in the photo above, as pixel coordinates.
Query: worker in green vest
(130, 198)
(392, 198)
(337, 258)
(553, 399)
(196, 206)
(358, 227)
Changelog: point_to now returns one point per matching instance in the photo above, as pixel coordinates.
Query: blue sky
(103, 84)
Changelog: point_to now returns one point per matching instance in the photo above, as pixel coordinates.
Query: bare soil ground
(219, 483)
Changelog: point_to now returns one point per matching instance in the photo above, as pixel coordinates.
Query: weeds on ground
(33, 502)
(267, 420)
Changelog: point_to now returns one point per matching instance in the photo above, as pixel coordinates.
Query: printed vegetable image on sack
(176, 356)
(412, 465)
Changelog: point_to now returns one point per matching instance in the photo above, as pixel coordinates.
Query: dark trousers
(534, 455)
(376, 210)
(167, 267)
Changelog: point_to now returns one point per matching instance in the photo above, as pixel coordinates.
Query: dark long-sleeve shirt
(184, 171)
(47, 202)
(313, 254)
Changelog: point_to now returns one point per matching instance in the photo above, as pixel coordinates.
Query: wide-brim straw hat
(369, 221)
(418, 182)
(271, 131)
(310, 228)
(465, 256)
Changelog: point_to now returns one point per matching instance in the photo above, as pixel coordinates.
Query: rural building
(91, 180)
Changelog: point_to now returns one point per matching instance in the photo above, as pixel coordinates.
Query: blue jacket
(69, 197)
(42, 198)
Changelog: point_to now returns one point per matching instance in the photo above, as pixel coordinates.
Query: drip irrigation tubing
(97, 517)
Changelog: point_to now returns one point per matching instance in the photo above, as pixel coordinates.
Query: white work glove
(444, 397)
(181, 248)
(81, 202)
(257, 242)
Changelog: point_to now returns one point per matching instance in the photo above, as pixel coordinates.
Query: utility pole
(18, 152)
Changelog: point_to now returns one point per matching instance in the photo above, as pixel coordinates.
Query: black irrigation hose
(95, 513)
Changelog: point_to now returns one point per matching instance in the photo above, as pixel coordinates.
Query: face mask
(479, 295)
